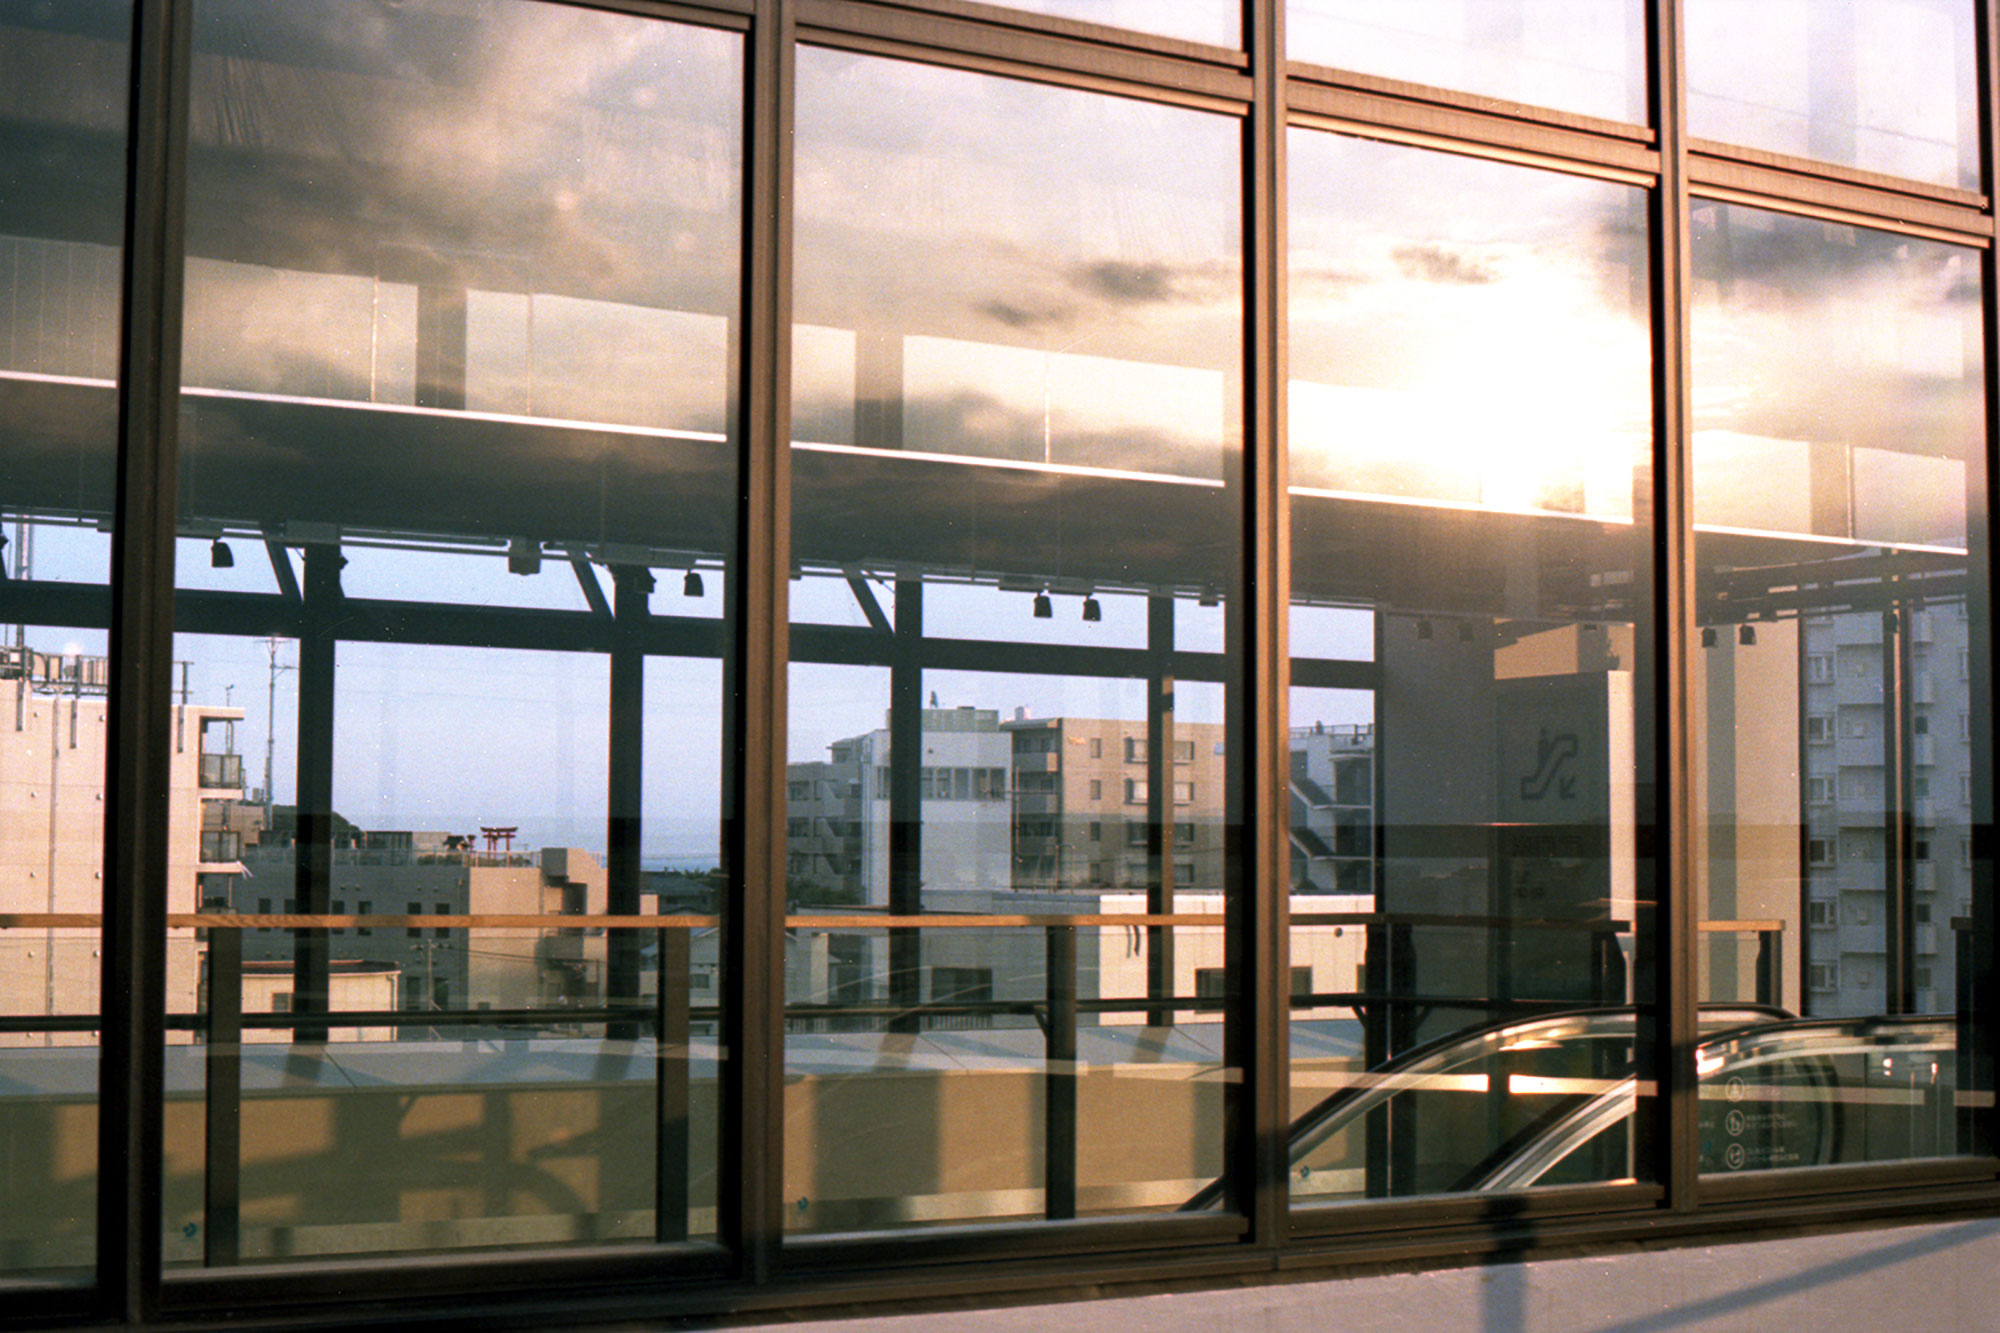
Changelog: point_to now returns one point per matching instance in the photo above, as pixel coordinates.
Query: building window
(1819, 669)
(1822, 912)
(1819, 728)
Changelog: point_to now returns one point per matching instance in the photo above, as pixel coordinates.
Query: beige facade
(1081, 797)
(52, 766)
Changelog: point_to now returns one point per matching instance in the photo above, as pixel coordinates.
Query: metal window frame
(753, 1267)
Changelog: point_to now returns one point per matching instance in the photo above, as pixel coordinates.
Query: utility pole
(271, 720)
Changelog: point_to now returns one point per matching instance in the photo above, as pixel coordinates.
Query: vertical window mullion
(140, 744)
(1977, 995)
(1674, 940)
(754, 690)
(1258, 932)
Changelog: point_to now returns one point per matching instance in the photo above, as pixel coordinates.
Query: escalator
(1550, 1100)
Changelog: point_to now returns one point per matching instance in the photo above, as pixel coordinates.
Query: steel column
(1059, 1128)
(222, 1104)
(906, 815)
(1160, 804)
(630, 589)
(313, 842)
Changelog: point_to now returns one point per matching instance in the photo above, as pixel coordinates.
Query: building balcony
(221, 771)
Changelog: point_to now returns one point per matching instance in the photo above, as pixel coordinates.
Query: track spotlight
(220, 556)
(691, 585)
(524, 556)
(1746, 635)
(1044, 609)
(1091, 610)
(1708, 636)
(1209, 597)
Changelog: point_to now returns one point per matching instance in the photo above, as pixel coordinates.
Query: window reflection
(1586, 56)
(1883, 85)
(1470, 429)
(63, 75)
(1217, 22)
(456, 503)
(1833, 700)
(1010, 788)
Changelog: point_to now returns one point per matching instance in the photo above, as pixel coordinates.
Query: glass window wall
(1216, 22)
(457, 482)
(1471, 470)
(1884, 85)
(1584, 56)
(1015, 448)
(1840, 482)
(63, 72)
(470, 401)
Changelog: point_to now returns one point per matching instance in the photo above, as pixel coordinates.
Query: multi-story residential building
(837, 811)
(52, 759)
(1082, 802)
(1860, 705)
(1333, 809)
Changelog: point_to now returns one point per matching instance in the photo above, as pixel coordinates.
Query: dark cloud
(1434, 263)
(1132, 283)
(1020, 317)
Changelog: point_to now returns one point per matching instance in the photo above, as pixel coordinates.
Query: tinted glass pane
(1015, 437)
(1884, 85)
(457, 487)
(1587, 56)
(63, 71)
(1217, 22)
(1470, 426)
(1839, 474)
